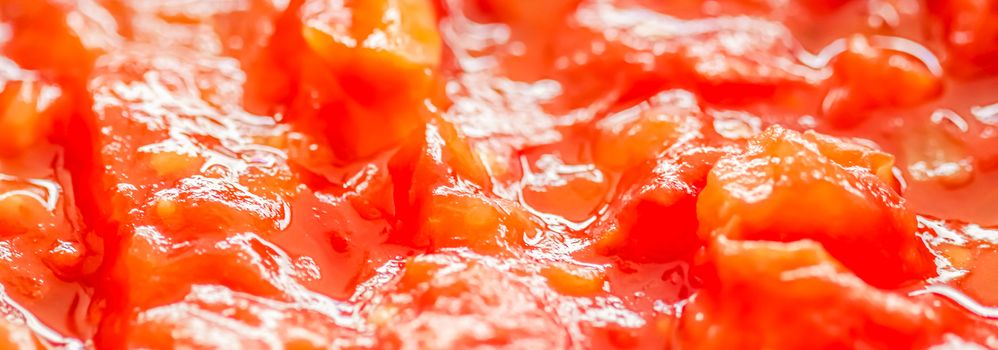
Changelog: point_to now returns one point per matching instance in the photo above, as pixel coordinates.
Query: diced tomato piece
(795, 295)
(384, 55)
(654, 218)
(61, 37)
(437, 155)
(240, 29)
(42, 244)
(200, 186)
(503, 118)
(723, 59)
(789, 186)
(448, 301)
(574, 279)
(213, 317)
(263, 35)
(970, 33)
(443, 195)
(633, 136)
(868, 78)
(42, 253)
(937, 156)
(29, 109)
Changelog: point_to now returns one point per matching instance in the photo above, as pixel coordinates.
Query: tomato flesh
(502, 174)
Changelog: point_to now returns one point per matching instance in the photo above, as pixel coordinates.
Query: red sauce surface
(458, 174)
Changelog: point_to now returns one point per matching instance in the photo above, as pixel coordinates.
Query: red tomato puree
(499, 174)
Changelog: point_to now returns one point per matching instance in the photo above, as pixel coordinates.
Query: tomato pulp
(450, 174)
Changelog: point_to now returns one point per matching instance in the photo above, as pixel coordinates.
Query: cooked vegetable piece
(790, 186)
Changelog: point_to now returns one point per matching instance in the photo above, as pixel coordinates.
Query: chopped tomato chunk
(869, 78)
(573, 279)
(30, 109)
(43, 248)
(633, 136)
(501, 174)
(443, 196)
(448, 301)
(384, 55)
(795, 295)
(200, 187)
(655, 216)
(59, 37)
(724, 59)
(212, 317)
(790, 186)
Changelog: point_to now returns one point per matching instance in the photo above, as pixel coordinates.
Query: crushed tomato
(508, 174)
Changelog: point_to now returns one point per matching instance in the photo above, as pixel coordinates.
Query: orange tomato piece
(574, 192)
(790, 186)
(654, 217)
(199, 186)
(59, 37)
(731, 60)
(796, 295)
(384, 55)
(443, 195)
(214, 316)
(633, 136)
(868, 78)
(449, 301)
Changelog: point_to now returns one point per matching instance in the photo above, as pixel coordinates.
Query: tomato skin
(789, 186)
(25, 111)
(333, 200)
(796, 295)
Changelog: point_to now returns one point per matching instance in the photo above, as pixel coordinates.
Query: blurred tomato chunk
(868, 78)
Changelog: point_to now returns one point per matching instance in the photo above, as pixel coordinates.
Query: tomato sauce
(450, 174)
